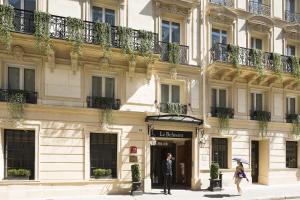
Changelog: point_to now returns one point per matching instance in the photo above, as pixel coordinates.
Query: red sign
(133, 149)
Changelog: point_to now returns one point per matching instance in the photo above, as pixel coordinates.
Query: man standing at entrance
(167, 172)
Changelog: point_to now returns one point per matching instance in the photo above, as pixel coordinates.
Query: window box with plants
(102, 173)
(173, 108)
(18, 174)
(215, 178)
(136, 180)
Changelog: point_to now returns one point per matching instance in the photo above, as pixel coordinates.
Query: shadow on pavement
(219, 195)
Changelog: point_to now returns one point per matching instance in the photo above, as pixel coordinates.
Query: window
(19, 150)
(256, 43)
(290, 6)
(103, 15)
(170, 32)
(103, 152)
(291, 105)
(220, 152)
(291, 154)
(170, 93)
(21, 78)
(290, 50)
(256, 101)
(103, 87)
(218, 36)
(219, 98)
(23, 4)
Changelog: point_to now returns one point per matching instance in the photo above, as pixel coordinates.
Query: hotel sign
(171, 134)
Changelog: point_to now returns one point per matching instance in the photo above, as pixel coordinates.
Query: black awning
(174, 118)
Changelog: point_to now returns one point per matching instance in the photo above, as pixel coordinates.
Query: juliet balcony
(222, 112)
(8, 95)
(103, 103)
(291, 16)
(173, 108)
(258, 8)
(260, 115)
(291, 117)
(24, 23)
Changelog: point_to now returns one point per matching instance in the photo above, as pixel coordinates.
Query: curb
(278, 198)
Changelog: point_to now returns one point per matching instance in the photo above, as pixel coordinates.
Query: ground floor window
(220, 152)
(291, 154)
(19, 151)
(103, 153)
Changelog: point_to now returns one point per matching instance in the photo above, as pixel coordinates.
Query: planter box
(215, 184)
(136, 188)
(18, 178)
(103, 177)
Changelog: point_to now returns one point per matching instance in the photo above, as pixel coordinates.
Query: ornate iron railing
(258, 115)
(221, 111)
(291, 117)
(164, 52)
(229, 3)
(222, 53)
(291, 16)
(259, 8)
(29, 97)
(173, 108)
(103, 103)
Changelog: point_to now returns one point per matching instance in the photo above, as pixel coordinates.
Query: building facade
(205, 80)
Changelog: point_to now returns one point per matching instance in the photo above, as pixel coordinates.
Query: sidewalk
(253, 192)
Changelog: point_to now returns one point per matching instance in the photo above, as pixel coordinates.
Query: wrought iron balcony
(173, 108)
(291, 117)
(292, 16)
(164, 49)
(221, 111)
(103, 103)
(260, 115)
(26, 96)
(222, 53)
(229, 3)
(259, 8)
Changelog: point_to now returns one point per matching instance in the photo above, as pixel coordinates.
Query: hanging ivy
(173, 51)
(223, 115)
(102, 35)
(75, 27)
(295, 67)
(106, 116)
(234, 55)
(263, 118)
(6, 24)
(126, 41)
(15, 103)
(42, 30)
(278, 67)
(175, 108)
(146, 39)
(296, 126)
(258, 61)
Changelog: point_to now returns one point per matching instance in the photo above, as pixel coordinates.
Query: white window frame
(170, 29)
(254, 99)
(218, 95)
(103, 13)
(254, 40)
(292, 46)
(288, 98)
(103, 84)
(21, 68)
(170, 91)
(220, 34)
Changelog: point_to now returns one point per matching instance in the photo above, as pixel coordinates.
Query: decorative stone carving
(18, 53)
(260, 23)
(51, 60)
(222, 15)
(104, 63)
(74, 62)
(173, 9)
(131, 67)
(292, 32)
(173, 72)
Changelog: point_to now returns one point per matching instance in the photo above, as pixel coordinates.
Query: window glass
(13, 78)
(292, 106)
(291, 154)
(110, 16)
(214, 98)
(110, 87)
(290, 6)
(259, 102)
(252, 102)
(96, 86)
(164, 93)
(29, 5)
(29, 79)
(224, 37)
(256, 43)
(215, 36)
(165, 31)
(175, 32)
(97, 14)
(222, 98)
(175, 94)
(15, 3)
(220, 152)
(291, 50)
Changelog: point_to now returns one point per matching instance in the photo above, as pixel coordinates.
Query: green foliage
(296, 69)
(102, 172)
(106, 116)
(75, 33)
(214, 170)
(258, 61)
(102, 35)
(296, 126)
(42, 31)
(175, 108)
(146, 43)
(6, 24)
(263, 119)
(135, 173)
(223, 115)
(173, 51)
(15, 104)
(278, 65)
(234, 55)
(18, 172)
(126, 41)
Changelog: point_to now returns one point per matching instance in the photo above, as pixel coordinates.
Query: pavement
(253, 192)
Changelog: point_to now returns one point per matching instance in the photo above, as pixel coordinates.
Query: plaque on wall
(133, 159)
(171, 134)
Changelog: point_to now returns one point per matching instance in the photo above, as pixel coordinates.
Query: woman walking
(239, 175)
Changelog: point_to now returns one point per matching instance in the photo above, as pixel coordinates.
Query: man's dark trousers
(167, 183)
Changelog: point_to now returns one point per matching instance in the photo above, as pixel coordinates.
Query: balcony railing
(260, 115)
(291, 16)
(229, 3)
(103, 103)
(173, 108)
(259, 8)
(28, 97)
(222, 53)
(291, 117)
(165, 53)
(222, 112)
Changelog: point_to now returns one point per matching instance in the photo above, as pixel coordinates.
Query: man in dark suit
(167, 172)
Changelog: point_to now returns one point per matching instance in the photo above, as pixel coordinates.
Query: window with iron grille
(103, 152)
(19, 150)
(220, 152)
(291, 154)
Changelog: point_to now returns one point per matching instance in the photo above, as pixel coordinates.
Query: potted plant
(102, 173)
(215, 181)
(136, 180)
(18, 174)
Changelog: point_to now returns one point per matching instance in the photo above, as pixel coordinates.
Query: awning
(174, 118)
